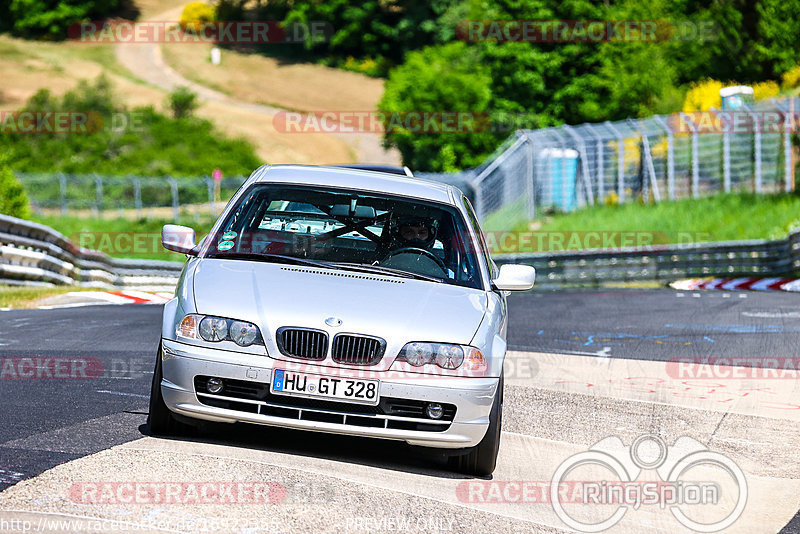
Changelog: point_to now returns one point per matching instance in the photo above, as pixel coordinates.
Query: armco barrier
(34, 254)
(664, 263)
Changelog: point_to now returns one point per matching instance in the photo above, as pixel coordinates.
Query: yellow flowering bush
(196, 16)
(702, 96)
(791, 79)
(766, 89)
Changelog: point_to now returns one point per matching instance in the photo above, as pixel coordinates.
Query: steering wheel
(421, 251)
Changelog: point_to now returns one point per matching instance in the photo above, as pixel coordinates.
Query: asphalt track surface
(49, 421)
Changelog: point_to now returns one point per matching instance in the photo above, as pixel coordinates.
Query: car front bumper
(473, 397)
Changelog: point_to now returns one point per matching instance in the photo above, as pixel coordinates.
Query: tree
(446, 78)
(182, 101)
(13, 200)
(51, 18)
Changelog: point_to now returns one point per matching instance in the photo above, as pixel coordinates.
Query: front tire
(481, 460)
(160, 419)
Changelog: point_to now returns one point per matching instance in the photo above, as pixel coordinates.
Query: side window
(473, 220)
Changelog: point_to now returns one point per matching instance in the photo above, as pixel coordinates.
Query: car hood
(399, 310)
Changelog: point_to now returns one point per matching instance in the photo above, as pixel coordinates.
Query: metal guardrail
(34, 254)
(759, 258)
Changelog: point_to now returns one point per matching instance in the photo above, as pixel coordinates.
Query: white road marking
(123, 394)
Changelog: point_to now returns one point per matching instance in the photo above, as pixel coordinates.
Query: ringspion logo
(602, 477)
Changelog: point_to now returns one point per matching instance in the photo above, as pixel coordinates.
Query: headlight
(214, 329)
(445, 356)
(242, 333)
(418, 354)
(449, 356)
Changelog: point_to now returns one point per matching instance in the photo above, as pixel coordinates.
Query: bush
(791, 78)
(138, 141)
(766, 89)
(196, 16)
(13, 200)
(51, 18)
(182, 101)
(702, 96)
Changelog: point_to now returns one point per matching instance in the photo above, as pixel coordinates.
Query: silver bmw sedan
(340, 300)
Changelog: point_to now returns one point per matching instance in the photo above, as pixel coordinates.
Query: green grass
(726, 217)
(124, 238)
(18, 297)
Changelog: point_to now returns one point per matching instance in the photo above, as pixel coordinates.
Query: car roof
(365, 180)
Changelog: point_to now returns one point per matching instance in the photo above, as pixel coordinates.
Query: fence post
(695, 156)
(210, 184)
(788, 121)
(670, 157)
(620, 161)
(787, 147)
(601, 186)
(173, 184)
(62, 187)
(726, 161)
(726, 157)
(137, 196)
(756, 150)
(647, 164)
(585, 178)
(99, 185)
(530, 189)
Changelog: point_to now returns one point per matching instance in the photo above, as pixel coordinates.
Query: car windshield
(349, 230)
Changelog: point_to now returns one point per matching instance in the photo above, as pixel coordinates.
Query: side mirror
(178, 239)
(515, 278)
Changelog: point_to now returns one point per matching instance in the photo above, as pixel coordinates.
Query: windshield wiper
(387, 270)
(278, 258)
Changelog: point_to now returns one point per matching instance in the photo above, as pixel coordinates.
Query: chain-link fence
(134, 196)
(653, 159)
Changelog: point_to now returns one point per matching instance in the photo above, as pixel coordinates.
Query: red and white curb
(89, 298)
(739, 284)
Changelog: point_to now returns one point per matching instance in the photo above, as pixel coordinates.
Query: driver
(415, 232)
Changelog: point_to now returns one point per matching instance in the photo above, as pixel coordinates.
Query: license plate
(325, 387)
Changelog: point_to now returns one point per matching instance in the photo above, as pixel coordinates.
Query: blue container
(561, 168)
